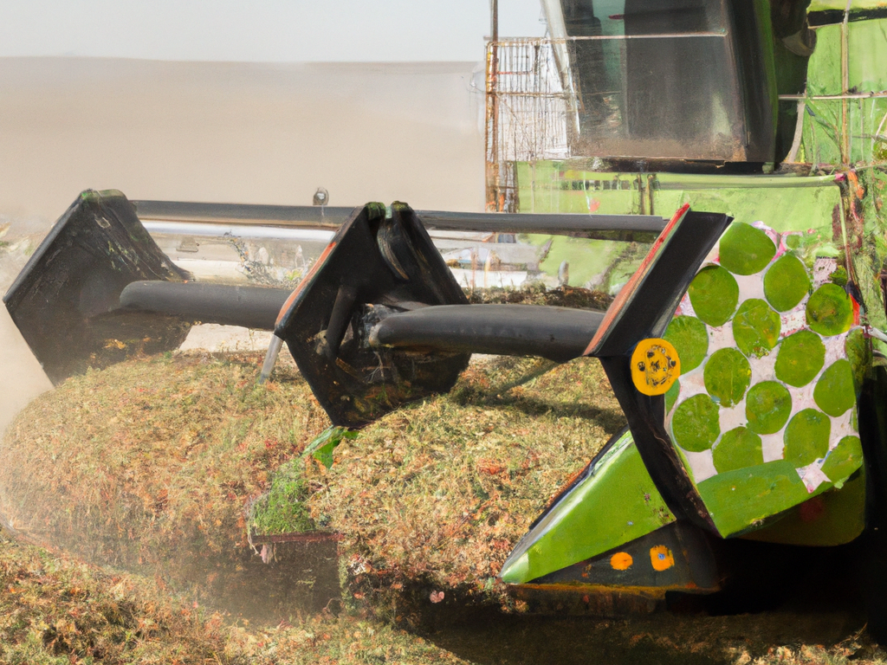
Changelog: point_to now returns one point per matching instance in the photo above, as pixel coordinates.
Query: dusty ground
(21, 377)
(56, 610)
(183, 503)
(247, 133)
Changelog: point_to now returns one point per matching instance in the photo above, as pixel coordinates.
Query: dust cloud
(226, 132)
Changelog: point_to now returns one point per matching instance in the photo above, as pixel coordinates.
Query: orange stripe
(629, 289)
(307, 278)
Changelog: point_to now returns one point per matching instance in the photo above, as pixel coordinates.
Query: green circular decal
(756, 328)
(695, 424)
(829, 311)
(767, 407)
(800, 358)
(690, 338)
(806, 437)
(745, 250)
(844, 459)
(786, 283)
(835, 392)
(738, 449)
(714, 294)
(727, 375)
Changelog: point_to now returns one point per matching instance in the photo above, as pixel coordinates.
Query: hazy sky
(260, 30)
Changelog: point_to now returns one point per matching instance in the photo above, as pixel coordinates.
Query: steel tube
(316, 217)
(556, 333)
(248, 306)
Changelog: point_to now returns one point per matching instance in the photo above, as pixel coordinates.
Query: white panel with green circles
(764, 413)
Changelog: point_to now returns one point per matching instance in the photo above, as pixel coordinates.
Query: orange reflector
(655, 366)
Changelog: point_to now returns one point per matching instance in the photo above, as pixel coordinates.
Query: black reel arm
(65, 298)
(380, 261)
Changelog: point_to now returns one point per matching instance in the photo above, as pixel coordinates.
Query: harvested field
(56, 610)
(153, 464)
(441, 490)
(150, 466)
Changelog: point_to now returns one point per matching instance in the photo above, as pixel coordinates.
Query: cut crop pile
(149, 464)
(52, 606)
(55, 610)
(538, 294)
(440, 491)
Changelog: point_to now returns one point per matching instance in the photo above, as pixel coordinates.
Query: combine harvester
(746, 349)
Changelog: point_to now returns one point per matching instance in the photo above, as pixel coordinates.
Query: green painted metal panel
(867, 117)
(786, 203)
(832, 518)
(739, 500)
(615, 504)
(554, 186)
(590, 261)
(558, 187)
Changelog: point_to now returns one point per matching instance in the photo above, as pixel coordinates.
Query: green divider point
(614, 505)
(727, 375)
(800, 358)
(671, 395)
(844, 459)
(714, 294)
(835, 392)
(738, 449)
(689, 337)
(695, 424)
(806, 437)
(839, 276)
(786, 283)
(829, 311)
(756, 328)
(767, 407)
(745, 250)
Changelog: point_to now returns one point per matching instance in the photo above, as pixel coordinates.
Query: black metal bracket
(642, 310)
(380, 261)
(65, 298)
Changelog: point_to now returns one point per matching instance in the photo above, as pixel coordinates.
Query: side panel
(613, 502)
(832, 518)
